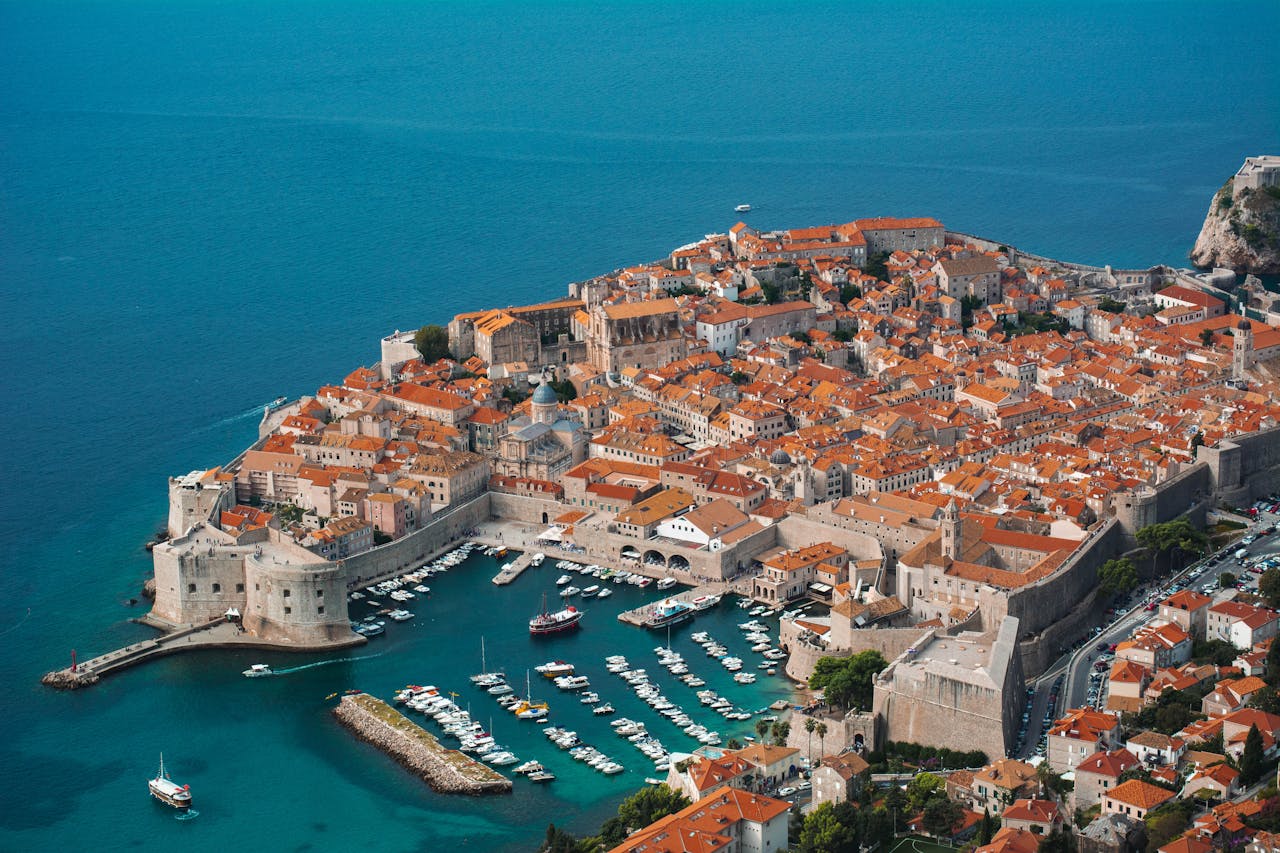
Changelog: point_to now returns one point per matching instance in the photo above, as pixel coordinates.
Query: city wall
(1245, 467)
(413, 550)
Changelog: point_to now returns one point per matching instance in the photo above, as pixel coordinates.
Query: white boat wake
(293, 669)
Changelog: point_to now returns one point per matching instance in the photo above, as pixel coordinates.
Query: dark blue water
(204, 205)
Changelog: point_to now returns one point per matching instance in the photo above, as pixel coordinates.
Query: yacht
(604, 593)
(167, 791)
(258, 670)
(569, 592)
(602, 710)
(590, 591)
(563, 579)
(553, 668)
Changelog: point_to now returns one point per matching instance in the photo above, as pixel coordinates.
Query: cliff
(1241, 231)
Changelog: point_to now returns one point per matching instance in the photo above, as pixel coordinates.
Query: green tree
(1117, 576)
(1206, 337)
(877, 265)
(733, 743)
(1269, 589)
(1272, 671)
(1251, 759)
(1170, 538)
(940, 816)
(922, 787)
(559, 841)
(986, 829)
(762, 729)
(1111, 306)
(432, 342)
(847, 682)
(1226, 580)
(809, 725)
(850, 292)
(639, 810)
(824, 832)
(1058, 841)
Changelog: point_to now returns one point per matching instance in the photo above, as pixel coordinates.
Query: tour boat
(669, 612)
(167, 791)
(705, 602)
(547, 622)
(666, 583)
(258, 670)
(743, 208)
(553, 668)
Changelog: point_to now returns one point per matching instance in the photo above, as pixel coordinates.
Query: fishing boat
(167, 791)
(547, 622)
(258, 670)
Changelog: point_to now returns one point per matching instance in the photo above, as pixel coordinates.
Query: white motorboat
(742, 208)
(563, 579)
(604, 593)
(666, 583)
(258, 670)
(569, 592)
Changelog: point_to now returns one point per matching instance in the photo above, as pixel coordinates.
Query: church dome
(544, 395)
(780, 457)
(1244, 324)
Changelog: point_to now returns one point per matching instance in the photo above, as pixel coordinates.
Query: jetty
(214, 634)
(637, 615)
(447, 771)
(513, 569)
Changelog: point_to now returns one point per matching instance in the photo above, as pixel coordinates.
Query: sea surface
(204, 205)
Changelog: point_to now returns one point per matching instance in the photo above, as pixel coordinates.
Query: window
(191, 587)
(287, 593)
(319, 593)
(288, 610)
(239, 587)
(217, 587)
(320, 609)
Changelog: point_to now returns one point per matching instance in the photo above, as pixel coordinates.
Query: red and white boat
(547, 622)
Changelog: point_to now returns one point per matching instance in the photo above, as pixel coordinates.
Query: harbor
(515, 568)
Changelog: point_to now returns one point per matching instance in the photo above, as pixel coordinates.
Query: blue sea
(204, 205)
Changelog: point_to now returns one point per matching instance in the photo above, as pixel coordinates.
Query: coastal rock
(1241, 231)
(447, 771)
(149, 589)
(66, 680)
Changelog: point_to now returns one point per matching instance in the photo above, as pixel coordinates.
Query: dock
(636, 616)
(447, 771)
(514, 569)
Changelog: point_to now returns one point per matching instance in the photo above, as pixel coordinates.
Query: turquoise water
(205, 205)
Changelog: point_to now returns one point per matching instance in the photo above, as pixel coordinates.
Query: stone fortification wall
(842, 731)
(799, 532)
(1245, 467)
(301, 603)
(411, 551)
(198, 576)
(525, 508)
(1038, 651)
(893, 539)
(890, 642)
(1041, 604)
(1187, 493)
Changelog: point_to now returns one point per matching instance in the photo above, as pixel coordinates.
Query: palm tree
(821, 729)
(781, 730)
(809, 725)
(762, 729)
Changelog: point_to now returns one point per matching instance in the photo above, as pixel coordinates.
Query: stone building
(544, 445)
(963, 692)
(501, 338)
(635, 334)
(977, 277)
(889, 234)
(548, 320)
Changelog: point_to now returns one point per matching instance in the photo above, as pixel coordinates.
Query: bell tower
(1242, 349)
(951, 537)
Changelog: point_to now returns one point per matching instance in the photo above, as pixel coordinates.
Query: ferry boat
(669, 612)
(553, 668)
(743, 208)
(167, 791)
(547, 622)
(258, 670)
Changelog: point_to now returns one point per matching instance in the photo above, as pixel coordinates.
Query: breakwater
(447, 771)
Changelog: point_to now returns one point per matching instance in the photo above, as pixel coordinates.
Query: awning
(232, 613)
(551, 533)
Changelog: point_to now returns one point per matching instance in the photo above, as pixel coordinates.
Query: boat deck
(513, 571)
(636, 616)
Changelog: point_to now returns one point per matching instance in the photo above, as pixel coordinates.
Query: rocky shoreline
(447, 771)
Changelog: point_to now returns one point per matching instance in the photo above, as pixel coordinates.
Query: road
(1075, 666)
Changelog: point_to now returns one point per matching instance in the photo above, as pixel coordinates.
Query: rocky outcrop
(65, 679)
(1241, 231)
(447, 771)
